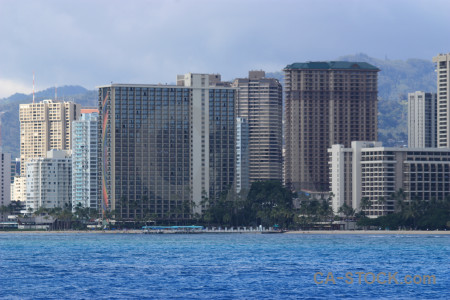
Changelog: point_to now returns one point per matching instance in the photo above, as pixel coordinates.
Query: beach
(343, 232)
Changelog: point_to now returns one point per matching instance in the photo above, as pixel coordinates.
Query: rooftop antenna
(33, 87)
(56, 93)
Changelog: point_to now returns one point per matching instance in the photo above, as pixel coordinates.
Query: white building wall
(199, 135)
(337, 182)
(49, 180)
(422, 124)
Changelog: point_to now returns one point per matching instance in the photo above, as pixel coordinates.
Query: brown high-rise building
(326, 103)
(260, 103)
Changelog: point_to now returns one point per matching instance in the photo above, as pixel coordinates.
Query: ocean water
(222, 266)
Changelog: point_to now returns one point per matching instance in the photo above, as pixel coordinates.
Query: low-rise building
(369, 170)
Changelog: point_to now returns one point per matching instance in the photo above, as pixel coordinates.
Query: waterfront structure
(45, 126)
(369, 170)
(84, 160)
(326, 103)
(422, 120)
(5, 181)
(443, 97)
(242, 156)
(49, 180)
(166, 149)
(259, 101)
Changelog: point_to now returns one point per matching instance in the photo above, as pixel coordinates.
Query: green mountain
(396, 79)
(9, 111)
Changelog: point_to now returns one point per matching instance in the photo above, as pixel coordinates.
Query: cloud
(9, 87)
(95, 42)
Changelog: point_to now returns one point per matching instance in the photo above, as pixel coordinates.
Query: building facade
(422, 120)
(19, 189)
(45, 126)
(5, 181)
(369, 170)
(260, 103)
(326, 103)
(443, 97)
(49, 180)
(165, 149)
(85, 173)
(242, 156)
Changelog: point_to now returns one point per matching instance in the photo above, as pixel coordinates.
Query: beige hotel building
(369, 170)
(45, 126)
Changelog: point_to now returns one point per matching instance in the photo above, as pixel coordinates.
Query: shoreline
(334, 232)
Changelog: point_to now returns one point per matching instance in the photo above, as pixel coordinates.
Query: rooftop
(332, 65)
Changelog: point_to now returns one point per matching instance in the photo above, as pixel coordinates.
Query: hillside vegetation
(396, 79)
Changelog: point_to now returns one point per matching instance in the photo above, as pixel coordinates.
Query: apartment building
(422, 120)
(259, 101)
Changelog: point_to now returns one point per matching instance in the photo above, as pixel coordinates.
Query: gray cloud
(94, 42)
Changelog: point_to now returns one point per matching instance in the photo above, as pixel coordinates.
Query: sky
(96, 42)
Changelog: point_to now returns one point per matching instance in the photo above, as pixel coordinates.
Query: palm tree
(382, 201)
(365, 204)
(399, 197)
(347, 210)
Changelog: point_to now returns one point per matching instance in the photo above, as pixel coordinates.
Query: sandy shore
(370, 232)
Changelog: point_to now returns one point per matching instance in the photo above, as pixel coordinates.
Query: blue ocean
(223, 266)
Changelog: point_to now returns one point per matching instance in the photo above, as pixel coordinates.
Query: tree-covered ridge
(396, 79)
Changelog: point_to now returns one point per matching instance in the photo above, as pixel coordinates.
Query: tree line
(268, 203)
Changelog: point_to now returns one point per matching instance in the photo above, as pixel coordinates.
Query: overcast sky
(91, 43)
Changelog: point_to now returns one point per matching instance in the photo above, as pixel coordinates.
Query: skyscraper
(260, 103)
(85, 161)
(166, 148)
(443, 97)
(422, 120)
(326, 103)
(45, 126)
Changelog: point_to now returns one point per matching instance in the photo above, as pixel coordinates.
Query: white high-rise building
(5, 181)
(422, 120)
(443, 97)
(49, 180)
(84, 161)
